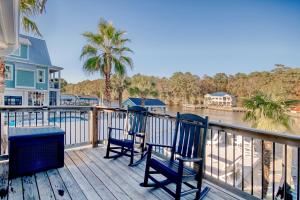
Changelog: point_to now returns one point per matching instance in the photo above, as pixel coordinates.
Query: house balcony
(54, 77)
(233, 165)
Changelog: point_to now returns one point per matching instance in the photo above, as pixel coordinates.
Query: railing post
(93, 131)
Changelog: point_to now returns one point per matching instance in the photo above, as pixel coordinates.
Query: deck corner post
(93, 126)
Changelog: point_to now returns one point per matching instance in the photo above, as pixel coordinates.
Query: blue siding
(10, 83)
(25, 78)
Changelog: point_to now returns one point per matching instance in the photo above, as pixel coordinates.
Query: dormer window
(23, 50)
(41, 76)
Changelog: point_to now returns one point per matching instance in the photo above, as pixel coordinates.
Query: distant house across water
(69, 99)
(219, 99)
(154, 105)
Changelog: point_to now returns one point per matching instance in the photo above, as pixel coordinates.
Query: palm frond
(92, 65)
(88, 51)
(30, 26)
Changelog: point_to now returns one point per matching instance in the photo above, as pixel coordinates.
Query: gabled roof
(38, 51)
(148, 102)
(220, 94)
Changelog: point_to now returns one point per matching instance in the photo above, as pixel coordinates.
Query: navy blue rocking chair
(188, 148)
(133, 141)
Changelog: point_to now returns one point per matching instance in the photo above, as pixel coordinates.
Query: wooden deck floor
(86, 175)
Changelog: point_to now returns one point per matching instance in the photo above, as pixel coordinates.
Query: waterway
(228, 117)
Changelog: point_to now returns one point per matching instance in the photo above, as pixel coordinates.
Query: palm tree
(267, 114)
(28, 9)
(119, 84)
(143, 87)
(106, 51)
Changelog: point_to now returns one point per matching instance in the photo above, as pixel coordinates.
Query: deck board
(87, 175)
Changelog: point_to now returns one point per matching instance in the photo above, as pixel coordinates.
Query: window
(36, 98)
(41, 76)
(8, 72)
(13, 100)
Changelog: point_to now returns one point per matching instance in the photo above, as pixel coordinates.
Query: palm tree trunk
(107, 88)
(120, 98)
(267, 149)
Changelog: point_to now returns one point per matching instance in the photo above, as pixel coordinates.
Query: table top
(33, 131)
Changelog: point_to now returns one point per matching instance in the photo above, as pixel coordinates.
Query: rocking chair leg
(107, 149)
(178, 190)
(131, 156)
(147, 169)
(199, 183)
(199, 186)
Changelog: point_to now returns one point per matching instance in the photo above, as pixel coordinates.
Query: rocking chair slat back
(136, 119)
(189, 137)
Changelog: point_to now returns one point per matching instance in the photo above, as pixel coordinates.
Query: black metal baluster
(225, 157)
(119, 116)
(167, 131)
(29, 118)
(155, 131)
(75, 122)
(65, 127)
(159, 134)
(84, 121)
(54, 116)
(243, 163)
(273, 176)
(49, 118)
(251, 166)
(59, 119)
(211, 151)
(234, 160)
(22, 119)
(285, 171)
(70, 132)
(43, 113)
(218, 154)
(298, 175)
(171, 132)
(80, 127)
(262, 169)
(15, 119)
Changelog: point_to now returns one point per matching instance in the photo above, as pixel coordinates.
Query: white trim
(34, 78)
(29, 63)
(12, 72)
(19, 52)
(44, 75)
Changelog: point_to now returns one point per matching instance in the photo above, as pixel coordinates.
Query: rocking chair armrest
(158, 145)
(186, 159)
(119, 129)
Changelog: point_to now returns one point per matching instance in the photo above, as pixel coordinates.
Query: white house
(220, 99)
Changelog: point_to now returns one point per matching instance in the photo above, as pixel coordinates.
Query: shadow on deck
(87, 175)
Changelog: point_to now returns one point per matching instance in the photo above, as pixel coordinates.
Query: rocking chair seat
(122, 142)
(169, 169)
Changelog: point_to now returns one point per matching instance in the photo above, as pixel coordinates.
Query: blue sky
(203, 37)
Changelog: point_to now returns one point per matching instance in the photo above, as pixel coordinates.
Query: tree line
(280, 83)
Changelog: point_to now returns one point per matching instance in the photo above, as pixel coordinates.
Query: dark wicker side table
(36, 149)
